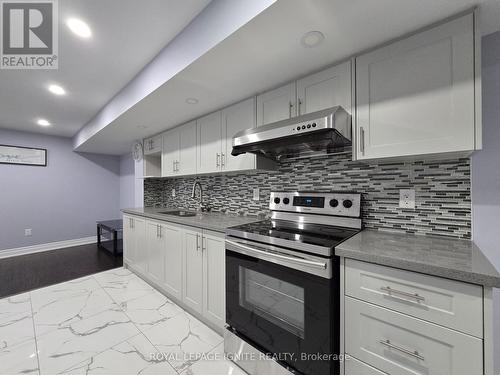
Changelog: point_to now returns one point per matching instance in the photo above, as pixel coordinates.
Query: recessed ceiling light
(56, 90)
(79, 27)
(43, 122)
(312, 39)
(192, 101)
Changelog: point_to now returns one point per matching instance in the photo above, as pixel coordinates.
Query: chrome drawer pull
(391, 291)
(415, 353)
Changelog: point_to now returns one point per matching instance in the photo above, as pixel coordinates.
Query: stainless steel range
(282, 284)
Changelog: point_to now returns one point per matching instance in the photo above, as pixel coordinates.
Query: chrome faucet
(201, 207)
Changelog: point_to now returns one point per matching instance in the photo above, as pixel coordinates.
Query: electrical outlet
(27, 232)
(407, 198)
(173, 193)
(256, 194)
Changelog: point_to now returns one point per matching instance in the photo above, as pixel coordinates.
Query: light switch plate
(256, 194)
(407, 198)
(173, 193)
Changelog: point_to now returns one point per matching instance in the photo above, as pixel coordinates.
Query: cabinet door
(276, 105)
(140, 244)
(155, 238)
(209, 143)
(187, 149)
(192, 290)
(325, 89)
(416, 96)
(153, 145)
(128, 241)
(173, 260)
(238, 117)
(214, 273)
(170, 154)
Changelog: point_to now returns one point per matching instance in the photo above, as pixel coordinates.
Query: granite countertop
(214, 221)
(438, 256)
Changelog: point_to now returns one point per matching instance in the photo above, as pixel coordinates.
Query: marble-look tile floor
(108, 323)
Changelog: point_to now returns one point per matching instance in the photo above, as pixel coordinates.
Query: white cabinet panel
(140, 245)
(128, 240)
(238, 117)
(209, 143)
(153, 145)
(187, 149)
(214, 256)
(355, 367)
(173, 260)
(452, 304)
(192, 293)
(276, 105)
(156, 244)
(416, 96)
(398, 344)
(170, 155)
(328, 88)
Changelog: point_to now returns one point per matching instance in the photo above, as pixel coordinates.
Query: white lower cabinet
(214, 278)
(355, 367)
(399, 344)
(192, 291)
(172, 282)
(187, 263)
(134, 242)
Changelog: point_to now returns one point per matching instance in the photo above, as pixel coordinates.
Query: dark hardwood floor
(27, 272)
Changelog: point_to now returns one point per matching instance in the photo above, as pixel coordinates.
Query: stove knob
(277, 200)
(286, 200)
(334, 202)
(347, 203)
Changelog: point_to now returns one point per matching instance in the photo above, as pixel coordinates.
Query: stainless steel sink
(182, 213)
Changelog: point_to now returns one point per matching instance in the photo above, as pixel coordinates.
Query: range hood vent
(326, 131)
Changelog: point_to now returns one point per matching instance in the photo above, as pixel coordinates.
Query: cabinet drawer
(446, 302)
(355, 367)
(399, 344)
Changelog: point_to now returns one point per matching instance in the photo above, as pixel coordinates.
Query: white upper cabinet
(328, 88)
(276, 105)
(187, 149)
(239, 116)
(209, 143)
(416, 96)
(171, 153)
(153, 145)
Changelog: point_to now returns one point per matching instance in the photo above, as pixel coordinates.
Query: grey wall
(59, 202)
(486, 171)
(127, 181)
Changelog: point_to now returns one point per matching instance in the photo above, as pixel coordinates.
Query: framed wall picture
(23, 155)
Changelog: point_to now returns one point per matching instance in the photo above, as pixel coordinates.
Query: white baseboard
(7, 253)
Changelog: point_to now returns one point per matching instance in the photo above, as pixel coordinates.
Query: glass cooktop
(295, 235)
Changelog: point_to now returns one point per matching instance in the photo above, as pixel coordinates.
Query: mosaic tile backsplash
(443, 204)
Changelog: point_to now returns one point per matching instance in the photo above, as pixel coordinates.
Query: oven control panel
(338, 204)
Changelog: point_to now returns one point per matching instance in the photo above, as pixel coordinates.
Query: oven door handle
(261, 254)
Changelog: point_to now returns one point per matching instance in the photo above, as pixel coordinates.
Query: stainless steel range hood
(327, 131)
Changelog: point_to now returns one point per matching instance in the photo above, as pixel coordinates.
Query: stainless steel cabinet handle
(391, 291)
(414, 353)
(217, 160)
(197, 242)
(222, 162)
(250, 250)
(300, 104)
(159, 231)
(362, 140)
(203, 243)
(290, 106)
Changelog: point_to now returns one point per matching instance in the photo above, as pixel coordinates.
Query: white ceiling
(266, 52)
(127, 34)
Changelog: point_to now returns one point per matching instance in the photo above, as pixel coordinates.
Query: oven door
(285, 303)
